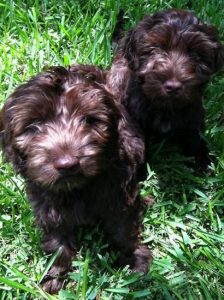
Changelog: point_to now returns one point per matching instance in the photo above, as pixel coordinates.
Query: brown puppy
(79, 155)
(160, 73)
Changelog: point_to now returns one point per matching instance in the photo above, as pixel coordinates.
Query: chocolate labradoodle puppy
(79, 154)
(160, 72)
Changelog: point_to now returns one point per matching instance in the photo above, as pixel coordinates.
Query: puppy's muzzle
(172, 86)
(67, 165)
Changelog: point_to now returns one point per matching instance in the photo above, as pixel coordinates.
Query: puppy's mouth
(69, 173)
(165, 96)
(160, 93)
(74, 173)
(172, 94)
(70, 176)
(67, 183)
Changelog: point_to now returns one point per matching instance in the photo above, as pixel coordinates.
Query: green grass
(184, 228)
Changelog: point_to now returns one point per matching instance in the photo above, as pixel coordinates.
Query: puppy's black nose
(172, 85)
(66, 163)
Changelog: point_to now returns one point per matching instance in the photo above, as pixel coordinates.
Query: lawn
(185, 226)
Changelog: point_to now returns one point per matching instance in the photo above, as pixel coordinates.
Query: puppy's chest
(81, 209)
(165, 122)
(73, 209)
(153, 119)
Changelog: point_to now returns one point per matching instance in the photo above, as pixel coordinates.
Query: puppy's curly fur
(160, 72)
(70, 140)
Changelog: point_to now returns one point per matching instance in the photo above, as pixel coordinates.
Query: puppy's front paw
(52, 285)
(139, 260)
(148, 201)
(143, 259)
(202, 162)
(54, 280)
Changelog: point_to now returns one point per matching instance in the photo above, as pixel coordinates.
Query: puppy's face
(173, 55)
(60, 127)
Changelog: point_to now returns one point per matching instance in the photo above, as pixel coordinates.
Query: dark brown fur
(79, 155)
(160, 73)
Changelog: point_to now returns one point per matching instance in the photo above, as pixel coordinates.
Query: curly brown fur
(79, 155)
(160, 72)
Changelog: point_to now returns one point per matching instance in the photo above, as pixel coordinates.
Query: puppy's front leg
(192, 144)
(56, 220)
(62, 241)
(122, 227)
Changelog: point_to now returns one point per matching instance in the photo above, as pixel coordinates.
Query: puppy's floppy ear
(1, 126)
(131, 142)
(118, 31)
(89, 72)
(1, 120)
(10, 154)
(134, 38)
(219, 50)
(5, 136)
(219, 57)
(129, 49)
(131, 152)
(213, 35)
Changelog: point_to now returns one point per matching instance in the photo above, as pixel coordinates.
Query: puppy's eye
(154, 48)
(195, 56)
(143, 60)
(33, 127)
(91, 120)
(149, 51)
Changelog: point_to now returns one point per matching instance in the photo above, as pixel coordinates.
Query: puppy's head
(60, 128)
(173, 55)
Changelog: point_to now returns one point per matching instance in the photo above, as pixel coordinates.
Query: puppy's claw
(202, 163)
(139, 261)
(54, 280)
(53, 285)
(143, 259)
(148, 200)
